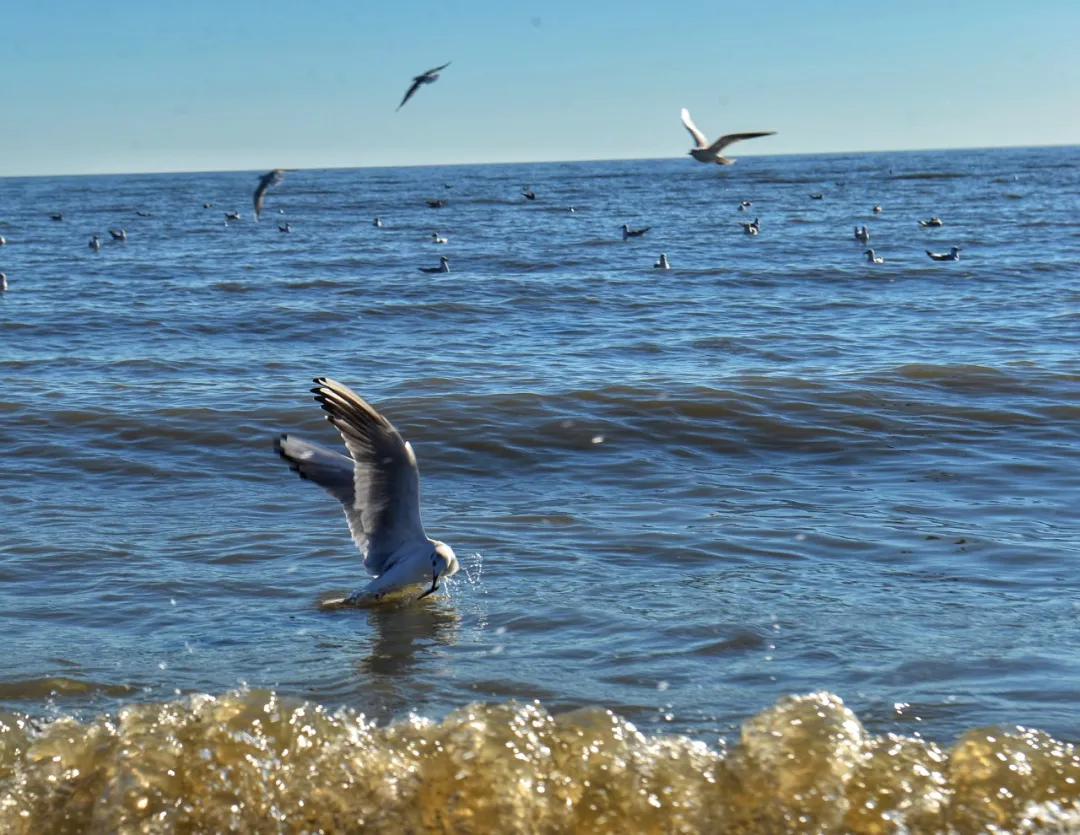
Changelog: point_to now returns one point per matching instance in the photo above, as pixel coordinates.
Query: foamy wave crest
(250, 761)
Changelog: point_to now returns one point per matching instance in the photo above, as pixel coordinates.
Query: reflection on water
(251, 761)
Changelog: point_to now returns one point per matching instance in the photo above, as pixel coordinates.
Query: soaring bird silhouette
(429, 77)
(705, 152)
(270, 178)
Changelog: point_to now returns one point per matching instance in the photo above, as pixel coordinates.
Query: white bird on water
(94, 244)
(753, 227)
(378, 485)
(435, 239)
(874, 259)
(862, 235)
(377, 223)
(662, 264)
(3, 283)
(704, 152)
(952, 255)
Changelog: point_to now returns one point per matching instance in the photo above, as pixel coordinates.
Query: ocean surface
(777, 540)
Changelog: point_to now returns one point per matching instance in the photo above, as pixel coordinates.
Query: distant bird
(704, 152)
(862, 235)
(752, 228)
(208, 205)
(435, 239)
(874, 259)
(270, 178)
(817, 195)
(746, 204)
(529, 195)
(377, 223)
(628, 233)
(118, 236)
(662, 264)
(94, 244)
(3, 283)
(3, 240)
(570, 208)
(447, 185)
(286, 228)
(444, 266)
(429, 77)
(934, 221)
(877, 210)
(145, 214)
(952, 255)
(436, 204)
(57, 216)
(232, 216)
(378, 485)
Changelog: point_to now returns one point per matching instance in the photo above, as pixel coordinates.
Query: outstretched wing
(724, 141)
(385, 511)
(438, 69)
(270, 178)
(688, 123)
(408, 95)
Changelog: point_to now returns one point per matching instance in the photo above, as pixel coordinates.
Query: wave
(932, 175)
(251, 761)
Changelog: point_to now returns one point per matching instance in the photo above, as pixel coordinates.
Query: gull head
(446, 563)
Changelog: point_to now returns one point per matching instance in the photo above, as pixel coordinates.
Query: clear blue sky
(120, 85)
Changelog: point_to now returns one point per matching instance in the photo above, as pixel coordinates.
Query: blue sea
(775, 540)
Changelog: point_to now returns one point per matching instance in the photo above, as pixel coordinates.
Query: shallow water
(678, 496)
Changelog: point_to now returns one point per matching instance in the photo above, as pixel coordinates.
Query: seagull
(3, 283)
(704, 152)
(570, 209)
(662, 264)
(378, 485)
(874, 259)
(231, 216)
(94, 244)
(270, 178)
(628, 233)
(529, 195)
(862, 235)
(118, 236)
(444, 266)
(286, 228)
(377, 223)
(746, 204)
(429, 77)
(436, 204)
(934, 221)
(145, 214)
(817, 195)
(952, 255)
(208, 205)
(57, 216)
(435, 239)
(3, 240)
(877, 210)
(752, 228)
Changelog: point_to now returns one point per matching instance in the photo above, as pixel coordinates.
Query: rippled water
(679, 496)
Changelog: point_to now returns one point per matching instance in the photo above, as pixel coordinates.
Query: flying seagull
(704, 152)
(378, 485)
(270, 178)
(429, 77)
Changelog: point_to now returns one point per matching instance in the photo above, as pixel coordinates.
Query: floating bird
(752, 228)
(436, 204)
(628, 233)
(435, 239)
(447, 185)
(704, 152)
(118, 236)
(3, 240)
(57, 216)
(444, 266)
(874, 259)
(232, 216)
(952, 255)
(377, 223)
(934, 221)
(270, 178)
(862, 235)
(3, 283)
(877, 210)
(94, 244)
(208, 205)
(746, 204)
(570, 209)
(662, 264)
(817, 195)
(529, 195)
(145, 214)
(429, 77)
(286, 228)
(378, 485)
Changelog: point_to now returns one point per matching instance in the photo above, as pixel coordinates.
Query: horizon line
(535, 162)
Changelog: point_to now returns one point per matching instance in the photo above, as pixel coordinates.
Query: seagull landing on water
(628, 233)
(270, 178)
(704, 152)
(872, 258)
(662, 264)
(378, 485)
(444, 266)
(862, 235)
(952, 255)
(429, 77)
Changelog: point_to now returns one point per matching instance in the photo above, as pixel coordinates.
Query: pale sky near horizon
(120, 86)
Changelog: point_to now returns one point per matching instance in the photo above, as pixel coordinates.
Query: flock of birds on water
(377, 482)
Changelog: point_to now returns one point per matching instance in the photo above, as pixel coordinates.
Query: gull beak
(433, 589)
